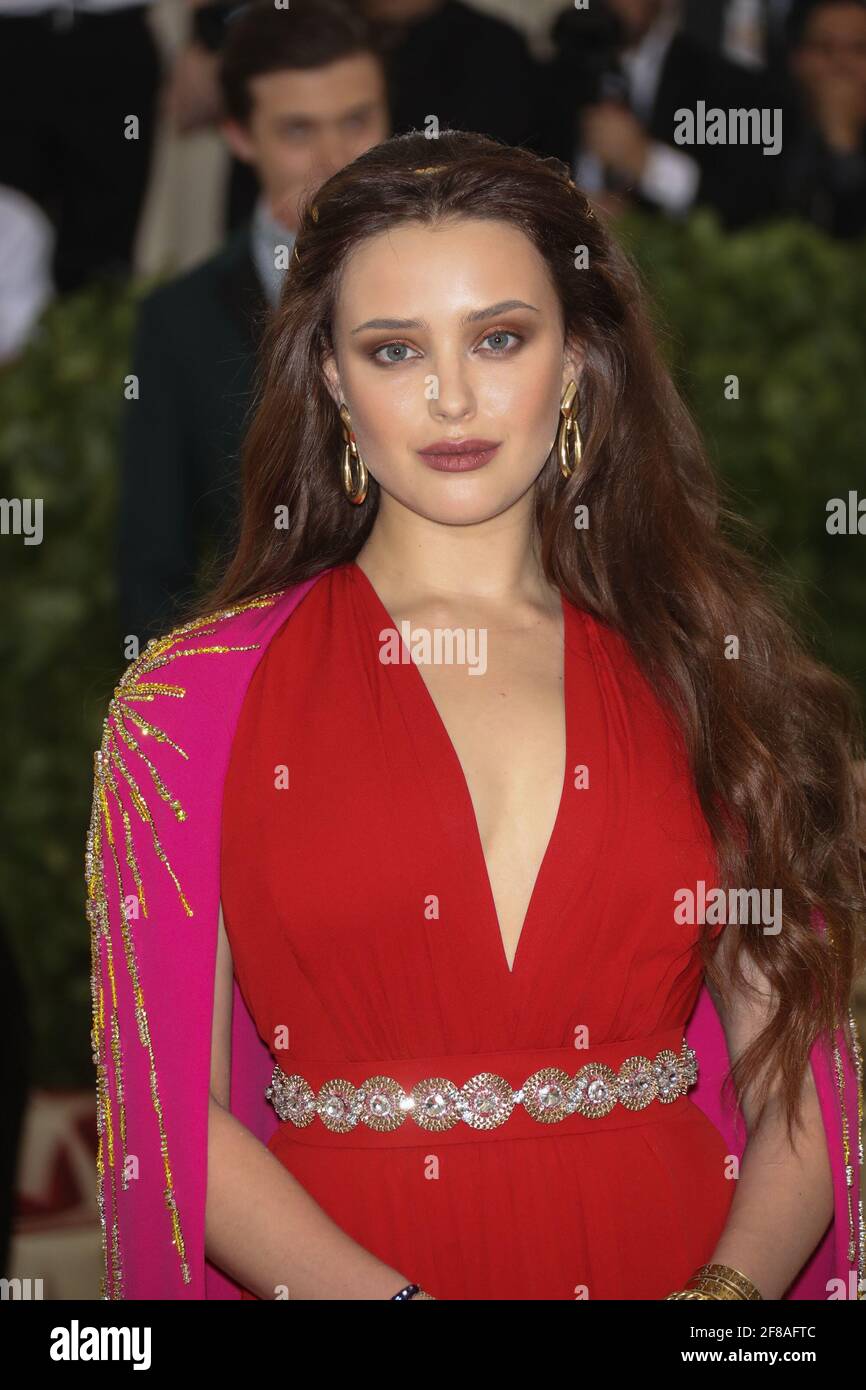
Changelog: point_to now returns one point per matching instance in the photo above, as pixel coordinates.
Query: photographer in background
(622, 71)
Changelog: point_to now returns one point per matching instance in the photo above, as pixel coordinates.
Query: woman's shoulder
(245, 625)
(610, 641)
(168, 727)
(621, 669)
(187, 683)
(162, 665)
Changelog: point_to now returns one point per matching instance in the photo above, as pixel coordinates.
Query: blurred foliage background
(781, 307)
(784, 310)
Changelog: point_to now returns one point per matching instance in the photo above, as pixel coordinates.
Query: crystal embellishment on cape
(127, 788)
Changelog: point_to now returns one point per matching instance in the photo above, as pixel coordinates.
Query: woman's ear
(572, 365)
(332, 378)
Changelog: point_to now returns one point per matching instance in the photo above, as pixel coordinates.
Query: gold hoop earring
(569, 444)
(356, 492)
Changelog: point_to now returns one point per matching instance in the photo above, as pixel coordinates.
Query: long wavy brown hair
(772, 736)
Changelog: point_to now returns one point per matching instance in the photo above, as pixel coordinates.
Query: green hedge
(59, 415)
(782, 308)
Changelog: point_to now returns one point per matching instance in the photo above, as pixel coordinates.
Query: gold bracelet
(740, 1284)
(715, 1281)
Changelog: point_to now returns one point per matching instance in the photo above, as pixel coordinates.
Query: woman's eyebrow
(491, 311)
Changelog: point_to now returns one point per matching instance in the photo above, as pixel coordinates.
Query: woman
(429, 1001)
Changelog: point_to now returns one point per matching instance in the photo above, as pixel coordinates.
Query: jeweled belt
(613, 1082)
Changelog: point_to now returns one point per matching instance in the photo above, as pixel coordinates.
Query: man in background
(468, 68)
(303, 94)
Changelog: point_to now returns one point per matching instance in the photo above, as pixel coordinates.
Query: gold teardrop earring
(356, 492)
(569, 445)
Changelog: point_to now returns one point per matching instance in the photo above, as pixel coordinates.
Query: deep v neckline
(470, 817)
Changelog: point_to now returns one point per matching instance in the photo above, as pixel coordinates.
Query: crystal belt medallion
(486, 1100)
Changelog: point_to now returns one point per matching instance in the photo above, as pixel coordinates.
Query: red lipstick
(458, 455)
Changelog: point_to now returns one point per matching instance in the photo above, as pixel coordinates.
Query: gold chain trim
(856, 1228)
(122, 729)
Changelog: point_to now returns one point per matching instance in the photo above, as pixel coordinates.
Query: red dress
(365, 942)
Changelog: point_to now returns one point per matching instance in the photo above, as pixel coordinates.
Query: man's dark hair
(260, 39)
(801, 12)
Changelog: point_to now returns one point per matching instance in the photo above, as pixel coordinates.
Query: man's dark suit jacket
(471, 69)
(734, 179)
(194, 354)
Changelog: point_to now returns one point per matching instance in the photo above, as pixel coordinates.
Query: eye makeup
(509, 351)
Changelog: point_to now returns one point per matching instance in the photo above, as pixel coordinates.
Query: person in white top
(26, 243)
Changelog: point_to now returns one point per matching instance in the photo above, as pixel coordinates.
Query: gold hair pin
(588, 209)
(421, 169)
(424, 169)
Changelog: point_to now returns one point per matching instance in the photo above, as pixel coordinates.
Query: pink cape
(152, 872)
